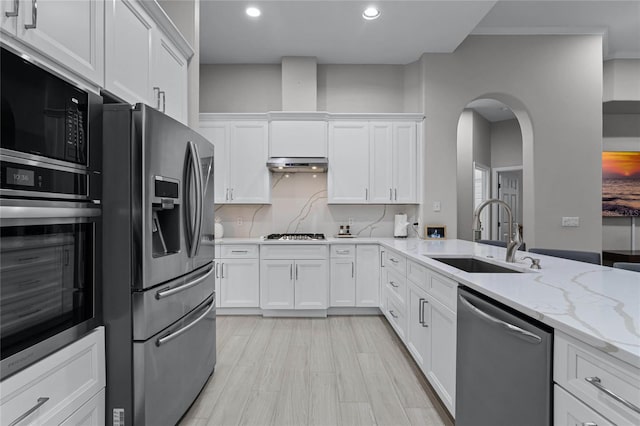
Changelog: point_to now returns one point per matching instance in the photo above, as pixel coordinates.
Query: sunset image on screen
(621, 165)
(621, 183)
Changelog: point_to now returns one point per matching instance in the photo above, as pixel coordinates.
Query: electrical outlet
(239, 221)
(436, 206)
(350, 221)
(570, 221)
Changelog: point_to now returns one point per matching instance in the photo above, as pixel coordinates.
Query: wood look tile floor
(341, 370)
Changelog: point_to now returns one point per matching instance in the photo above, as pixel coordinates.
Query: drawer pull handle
(595, 381)
(393, 315)
(239, 251)
(393, 260)
(39, 403)
(342, 251)
(589, 424)
(393, 284)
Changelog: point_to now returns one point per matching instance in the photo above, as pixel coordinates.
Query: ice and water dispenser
(165, 224)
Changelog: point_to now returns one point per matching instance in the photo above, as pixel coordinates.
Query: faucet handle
(535, 263)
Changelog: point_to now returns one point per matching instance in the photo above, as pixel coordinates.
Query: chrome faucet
(515, 240)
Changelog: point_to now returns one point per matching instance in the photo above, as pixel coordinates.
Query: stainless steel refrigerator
(159, 299)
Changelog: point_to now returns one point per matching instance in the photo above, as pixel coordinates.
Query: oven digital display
(20, 177)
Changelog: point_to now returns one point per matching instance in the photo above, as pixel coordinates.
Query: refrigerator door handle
(195, 228)
(532, 338)
(174, 334)
(168, 291)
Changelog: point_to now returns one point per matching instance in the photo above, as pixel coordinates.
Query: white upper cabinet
(69, 32)
(373, 162)
(298, 139)
(169, 78)
(249, 178)
(380, 153)
(405, 163)
(240, 159)
(348, 174)
(143, 61)
(129, 37)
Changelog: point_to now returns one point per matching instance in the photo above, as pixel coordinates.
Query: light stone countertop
(596, 304)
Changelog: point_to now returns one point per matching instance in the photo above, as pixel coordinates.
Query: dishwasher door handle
(526, 335)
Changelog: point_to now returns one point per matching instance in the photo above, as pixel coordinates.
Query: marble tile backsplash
(299, 204)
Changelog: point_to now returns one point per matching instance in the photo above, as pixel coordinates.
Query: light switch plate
(436, 206)
(570, 221)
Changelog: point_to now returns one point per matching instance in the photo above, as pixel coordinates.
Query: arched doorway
(494, 160)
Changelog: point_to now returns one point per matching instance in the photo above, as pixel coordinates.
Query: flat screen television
(621, 183)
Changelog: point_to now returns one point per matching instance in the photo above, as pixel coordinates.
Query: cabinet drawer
(67, 378)
(293, 251)
(233, 251)
(397, 285)
(443, 289)
(595, 377)
(417, 274)
(396, 315)
(569, 411)
(343, 250)
(395, 261)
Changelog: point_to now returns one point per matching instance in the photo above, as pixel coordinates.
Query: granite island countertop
(599, 305)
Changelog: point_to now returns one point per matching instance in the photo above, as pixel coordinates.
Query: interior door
(509, 192)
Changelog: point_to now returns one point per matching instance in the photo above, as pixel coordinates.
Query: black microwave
(47, 119)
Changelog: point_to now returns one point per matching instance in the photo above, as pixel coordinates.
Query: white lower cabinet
(441, 351)
(59, 386)
(418, 335)
(367, 275)
(90, 414)
(343, 282)
(569, 411)
(607, 386)
(238, 277)
(294, 277)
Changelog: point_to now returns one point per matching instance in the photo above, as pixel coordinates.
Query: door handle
(173, 335)
(393, 315)
(193, 163)
(34, 16)
(366, 194)
(231, 194)
(168, 291)
(393, 284)
(509, 327)
(217, 275)
(164, 100)
(424, 301)
(296, 272)
(382, 258)
(595, 381)
(395, 192)
(420, 311)
(291, 271)
(39, 403)
(390, 194)
(13, 12)
(352, 270)
(156, 91)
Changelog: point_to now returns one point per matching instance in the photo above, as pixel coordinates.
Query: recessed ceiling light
(254, 12)
(371, 13)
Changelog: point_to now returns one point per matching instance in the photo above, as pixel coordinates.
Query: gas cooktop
(295, 237)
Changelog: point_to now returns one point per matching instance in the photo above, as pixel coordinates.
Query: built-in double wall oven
(50, 212)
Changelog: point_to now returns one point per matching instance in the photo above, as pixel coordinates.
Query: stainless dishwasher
(503, 365)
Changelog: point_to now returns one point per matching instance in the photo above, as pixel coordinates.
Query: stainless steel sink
(469, 264)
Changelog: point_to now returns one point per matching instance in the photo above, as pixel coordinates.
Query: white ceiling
(491, 110)
(335, 33)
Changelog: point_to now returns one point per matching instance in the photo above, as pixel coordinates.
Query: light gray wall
(299, 83)
(481, 140)
(621, 82)
(240, 88)
(361, 88)
(506, 144)
(464, 176)
(413, 87)
(474, 145)
(554, 86)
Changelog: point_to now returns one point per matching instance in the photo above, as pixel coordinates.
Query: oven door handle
(169, 337)
(168, 291)
(20, 212)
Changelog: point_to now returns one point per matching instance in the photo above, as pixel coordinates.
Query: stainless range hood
(298, 165)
